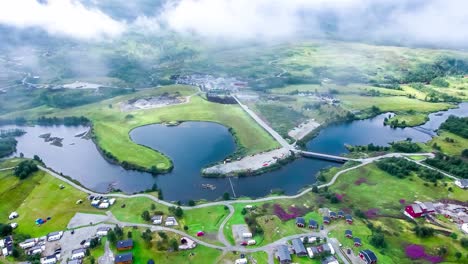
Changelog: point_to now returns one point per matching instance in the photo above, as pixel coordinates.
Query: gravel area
(81, 219)
(303, 129)
(237, 231)
(249, 163)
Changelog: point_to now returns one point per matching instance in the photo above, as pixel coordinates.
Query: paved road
(432, 168)
(265, 126)
(221, 236)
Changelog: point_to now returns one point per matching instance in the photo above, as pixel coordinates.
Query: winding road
(269, 248)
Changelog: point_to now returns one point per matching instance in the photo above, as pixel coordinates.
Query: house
(75, 261)
(298, 247)
(87, 243)
(103, 205)
(349, 219)
(187, 243)
(52, 259)
(464, 228)
(36, 250)
(78, 253)
(125, 245)
(157, 219)
(340, 214)
(462, 183)
(313, 252)
(170, 221)
(313, 224)
(333, 215)
(126, 258)
(326, 220)
(112, 201)
(241, 261)
(348, 233)
(54, 236)
(29, 243)
(283, 255)
(102, 231)
(7, 245)
(330, 260)
(13, 215)
(300, 222)
(368, 256)
(357, 242)
(419, 209)
(247, 235)
(328, 248)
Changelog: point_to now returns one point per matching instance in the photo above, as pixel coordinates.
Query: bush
(25, 168)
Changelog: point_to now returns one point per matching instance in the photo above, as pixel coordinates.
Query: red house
(420, 209)
(368, 256)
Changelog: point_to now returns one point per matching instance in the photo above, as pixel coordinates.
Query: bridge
(316, 155)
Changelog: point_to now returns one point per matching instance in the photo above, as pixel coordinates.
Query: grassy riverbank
(111, 126)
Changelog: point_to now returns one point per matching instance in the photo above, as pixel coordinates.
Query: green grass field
(39, 196)
(451, 148)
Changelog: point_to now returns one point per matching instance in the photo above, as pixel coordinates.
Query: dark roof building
(357, 242)
(368, 256)
(298, 247)
(300, 222)
(349, 219)
(125, 244)
(313, 224)
(348, 233)
(330, 260)
(333, 215)
(282, 253)
(340, 214)
(326, 220)
(126, 258)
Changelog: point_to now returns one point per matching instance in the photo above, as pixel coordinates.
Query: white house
(241, 261)
(36, 250)
(103, 205)
(29, 243)
(171, 221)
(464, 228)
(102, 231)
(14, 225)
(462, 183)
(251, 242)
(13, 215)
(112, 201)
(247, 235)
(49, 260)
(78, 253)
(54, 236)
(95, 202)
(157, 219)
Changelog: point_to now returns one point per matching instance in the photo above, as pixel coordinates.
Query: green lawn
(451, 148)
(142, 252)
(39, 196)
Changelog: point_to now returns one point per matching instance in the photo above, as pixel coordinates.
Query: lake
(194, 145)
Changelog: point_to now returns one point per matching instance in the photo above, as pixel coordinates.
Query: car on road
(244, 243)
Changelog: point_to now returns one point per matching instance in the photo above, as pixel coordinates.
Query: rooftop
(123, 257)
(125, 243)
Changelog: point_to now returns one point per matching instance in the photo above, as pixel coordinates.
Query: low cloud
(60, 17)
(427, 22)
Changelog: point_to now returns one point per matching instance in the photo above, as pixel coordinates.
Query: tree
(458, 255)
(118, 232)
(244, 211)
(306, 240)
(146, 215)
(465, 153)
(153, 207)
(186, 228)
(179, 212)
(174, 244)
(25, 168)
(129, 234)
(464, 242)
(378, 240)
(226, 196)
(191, 203)
(162, 235)
(111, 236)
(5, 230)
(160, 195)
(315, 189)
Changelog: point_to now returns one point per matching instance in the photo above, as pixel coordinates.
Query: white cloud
(411, 21)
(60, 17)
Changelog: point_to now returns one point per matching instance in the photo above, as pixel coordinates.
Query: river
(194, 145)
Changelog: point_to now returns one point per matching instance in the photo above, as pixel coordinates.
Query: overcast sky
(426, 22)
